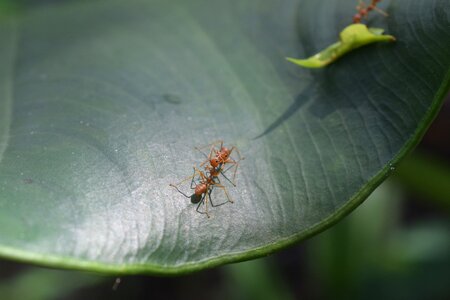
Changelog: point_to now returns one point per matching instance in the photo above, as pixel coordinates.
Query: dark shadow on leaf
(328, 93)
(300, 100)
(340, 90)
(330, 90)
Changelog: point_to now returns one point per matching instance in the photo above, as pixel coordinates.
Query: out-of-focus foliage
(372, 255)
(428, 176)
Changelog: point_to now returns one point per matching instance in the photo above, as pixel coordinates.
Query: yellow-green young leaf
(352, 37)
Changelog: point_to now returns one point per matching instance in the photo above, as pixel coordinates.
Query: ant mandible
(202, 190)
(364, 10)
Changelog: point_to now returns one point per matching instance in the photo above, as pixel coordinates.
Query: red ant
(203, 189)
(220, 158)
(364, 10)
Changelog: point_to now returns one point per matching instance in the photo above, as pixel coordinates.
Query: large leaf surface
(102, 102)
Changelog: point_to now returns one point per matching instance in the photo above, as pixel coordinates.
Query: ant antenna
(172, 185)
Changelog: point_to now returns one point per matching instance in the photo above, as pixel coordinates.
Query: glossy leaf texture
(103, 102)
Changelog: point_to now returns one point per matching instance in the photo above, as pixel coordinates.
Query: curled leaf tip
(352, 37)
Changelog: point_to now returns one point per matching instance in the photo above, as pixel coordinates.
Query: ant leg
(238, 153)
(235, 165)
(225, 191)
(206, 204)
(380, 11)
(204, 154)
(224, 176)
(185, 179)
(361, 4)
(192, 186)
(192, 181)
(208, 157)
(202, 175)
(210, 198)
(202, 201)
(228, 179)
(211, 146)
(174, 186)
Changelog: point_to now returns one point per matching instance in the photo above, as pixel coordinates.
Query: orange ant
(203, 190)
(364, 10)
(218, 158)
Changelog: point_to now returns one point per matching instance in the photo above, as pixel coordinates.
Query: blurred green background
(396, 245)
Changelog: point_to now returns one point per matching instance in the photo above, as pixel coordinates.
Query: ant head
(195, 198)
(225, 151)
(214, 162)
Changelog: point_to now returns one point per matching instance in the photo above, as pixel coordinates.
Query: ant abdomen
(196, 198)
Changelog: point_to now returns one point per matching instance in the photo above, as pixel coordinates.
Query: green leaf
(351, 37)
(102, 103)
